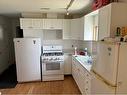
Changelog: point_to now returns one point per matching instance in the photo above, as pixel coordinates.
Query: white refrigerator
(110, 69)
(27, 54)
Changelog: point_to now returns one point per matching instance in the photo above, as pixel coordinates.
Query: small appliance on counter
(83, 52)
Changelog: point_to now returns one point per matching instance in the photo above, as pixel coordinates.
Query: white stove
(52, 63)
(53, 57)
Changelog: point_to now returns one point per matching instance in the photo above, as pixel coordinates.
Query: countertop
(83, 61)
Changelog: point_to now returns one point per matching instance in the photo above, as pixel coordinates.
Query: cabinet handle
(51, 27)
(79, 70)
(87, 75)
(30, 27)
(119, 83)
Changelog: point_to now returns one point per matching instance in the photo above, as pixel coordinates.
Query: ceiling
(56, 6)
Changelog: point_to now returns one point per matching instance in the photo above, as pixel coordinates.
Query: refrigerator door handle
(34, 41)
(98, 76)
(119, 83)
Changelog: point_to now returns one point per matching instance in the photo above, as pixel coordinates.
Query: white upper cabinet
(110, 17)
(82, 21)
(91, 26)
(27, 23)
(52, 23)
(66, 29)
(76, 29)
(104, 22)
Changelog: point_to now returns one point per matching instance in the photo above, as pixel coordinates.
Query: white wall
(33, 33)
(68, 45)
(91, 46)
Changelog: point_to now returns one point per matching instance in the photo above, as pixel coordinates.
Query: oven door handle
(52, 62)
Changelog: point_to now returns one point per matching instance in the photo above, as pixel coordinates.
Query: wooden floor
(68, 86)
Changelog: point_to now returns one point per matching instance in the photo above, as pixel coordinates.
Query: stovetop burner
(53, 54)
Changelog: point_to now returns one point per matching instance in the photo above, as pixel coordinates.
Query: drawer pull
(30, 27)
(51, 27)
(78, 69)
(86, 89)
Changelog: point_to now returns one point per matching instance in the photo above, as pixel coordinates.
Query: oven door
(50, 68)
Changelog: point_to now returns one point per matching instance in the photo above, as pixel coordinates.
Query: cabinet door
(25, 23)
(88, 33)
(37, 23)
(75, 26)
(52, 24)
(47, 24)
(74, 69)
(66, 29)
(67, 64)
(104, 22)
(77, 29)
(82, 20)
(91, 26)
(57, 23)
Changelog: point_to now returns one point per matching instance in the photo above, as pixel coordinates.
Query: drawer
(88, 84)
(87, 91)
(88, 76)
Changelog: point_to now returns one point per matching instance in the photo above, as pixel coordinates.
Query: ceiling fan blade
(69, 5)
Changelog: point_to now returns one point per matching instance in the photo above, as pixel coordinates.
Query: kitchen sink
(84, 59)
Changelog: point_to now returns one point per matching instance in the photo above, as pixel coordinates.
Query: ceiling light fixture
(68, 6)
(67, 12)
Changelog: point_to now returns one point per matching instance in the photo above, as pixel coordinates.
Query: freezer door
(27, 52)
(107, 61)
(99, 87)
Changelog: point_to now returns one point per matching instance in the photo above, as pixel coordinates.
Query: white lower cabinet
(82, 77)
(67, 64)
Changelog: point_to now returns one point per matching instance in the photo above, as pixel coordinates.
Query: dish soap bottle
(85, 51)
(75, 51)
